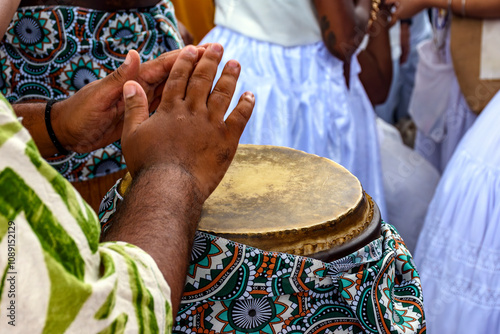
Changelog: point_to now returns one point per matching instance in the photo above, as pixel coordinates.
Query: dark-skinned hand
(93, 117)
(188, 130)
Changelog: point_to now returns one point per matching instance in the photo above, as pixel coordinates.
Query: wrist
(176, 179)
(60, 130)
(433, 3)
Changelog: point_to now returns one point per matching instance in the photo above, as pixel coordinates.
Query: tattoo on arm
(332, 40)
(329, 36)
(324, 24)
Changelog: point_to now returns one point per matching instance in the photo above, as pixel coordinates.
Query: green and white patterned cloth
(55, 275)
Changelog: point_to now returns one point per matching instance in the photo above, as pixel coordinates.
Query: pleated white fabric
(302, 102)
(437, 137)
(270, 21)
(458, 118)
(458, 252)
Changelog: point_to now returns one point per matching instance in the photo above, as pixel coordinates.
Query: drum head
(280, 199)
(283, 200)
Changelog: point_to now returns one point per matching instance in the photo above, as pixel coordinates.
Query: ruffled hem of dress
(459, 243)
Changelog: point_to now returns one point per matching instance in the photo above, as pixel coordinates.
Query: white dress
(302, 100)
(458, 253)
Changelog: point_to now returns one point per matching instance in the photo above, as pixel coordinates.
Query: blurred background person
(405, 36)
(299, 59)
(409, 179)
(457, 252)
(197, 16)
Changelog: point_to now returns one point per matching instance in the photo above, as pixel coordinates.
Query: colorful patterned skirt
(234, 288)
(50, 52)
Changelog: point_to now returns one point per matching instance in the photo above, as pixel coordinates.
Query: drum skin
(283, 200)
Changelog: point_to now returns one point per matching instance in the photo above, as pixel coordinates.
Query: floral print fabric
(50, 52)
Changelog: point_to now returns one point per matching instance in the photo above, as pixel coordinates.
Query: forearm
(7, 9)
(343, 25)
(379, 45)
(375, 80)
(376, 61)
(487, 9)
(161, 207)
(33, 119)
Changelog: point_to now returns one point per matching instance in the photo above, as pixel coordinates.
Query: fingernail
(249, 96)
(129, 91)
(128, 59)
(191, 50)
(216, 47)
(233, 63)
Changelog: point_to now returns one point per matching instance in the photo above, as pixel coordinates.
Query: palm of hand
(93, 117)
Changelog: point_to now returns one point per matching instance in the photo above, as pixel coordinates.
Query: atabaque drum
(283, 200)
(321, 262)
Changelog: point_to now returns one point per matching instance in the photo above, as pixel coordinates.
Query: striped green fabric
(57, 277)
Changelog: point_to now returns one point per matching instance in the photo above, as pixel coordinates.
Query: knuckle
(165, 104)
(117, 76)
(241, 114)
(244, 110)
(194, 106)
(221, 94)
(178, 74)
(134, 104)
(212, 59)
(202, 76)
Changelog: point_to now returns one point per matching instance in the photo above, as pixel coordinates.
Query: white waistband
(283, 22)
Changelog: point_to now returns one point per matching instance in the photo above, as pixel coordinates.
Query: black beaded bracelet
(50, 130)
(407, 21)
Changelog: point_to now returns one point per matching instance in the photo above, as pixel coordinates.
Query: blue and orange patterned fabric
(235, 288)
(50, 52)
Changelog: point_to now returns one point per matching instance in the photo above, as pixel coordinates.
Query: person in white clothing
(438, 106)
(298, 57)
(458, 250)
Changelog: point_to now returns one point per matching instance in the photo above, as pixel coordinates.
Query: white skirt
(458, 252)
(302, 102)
